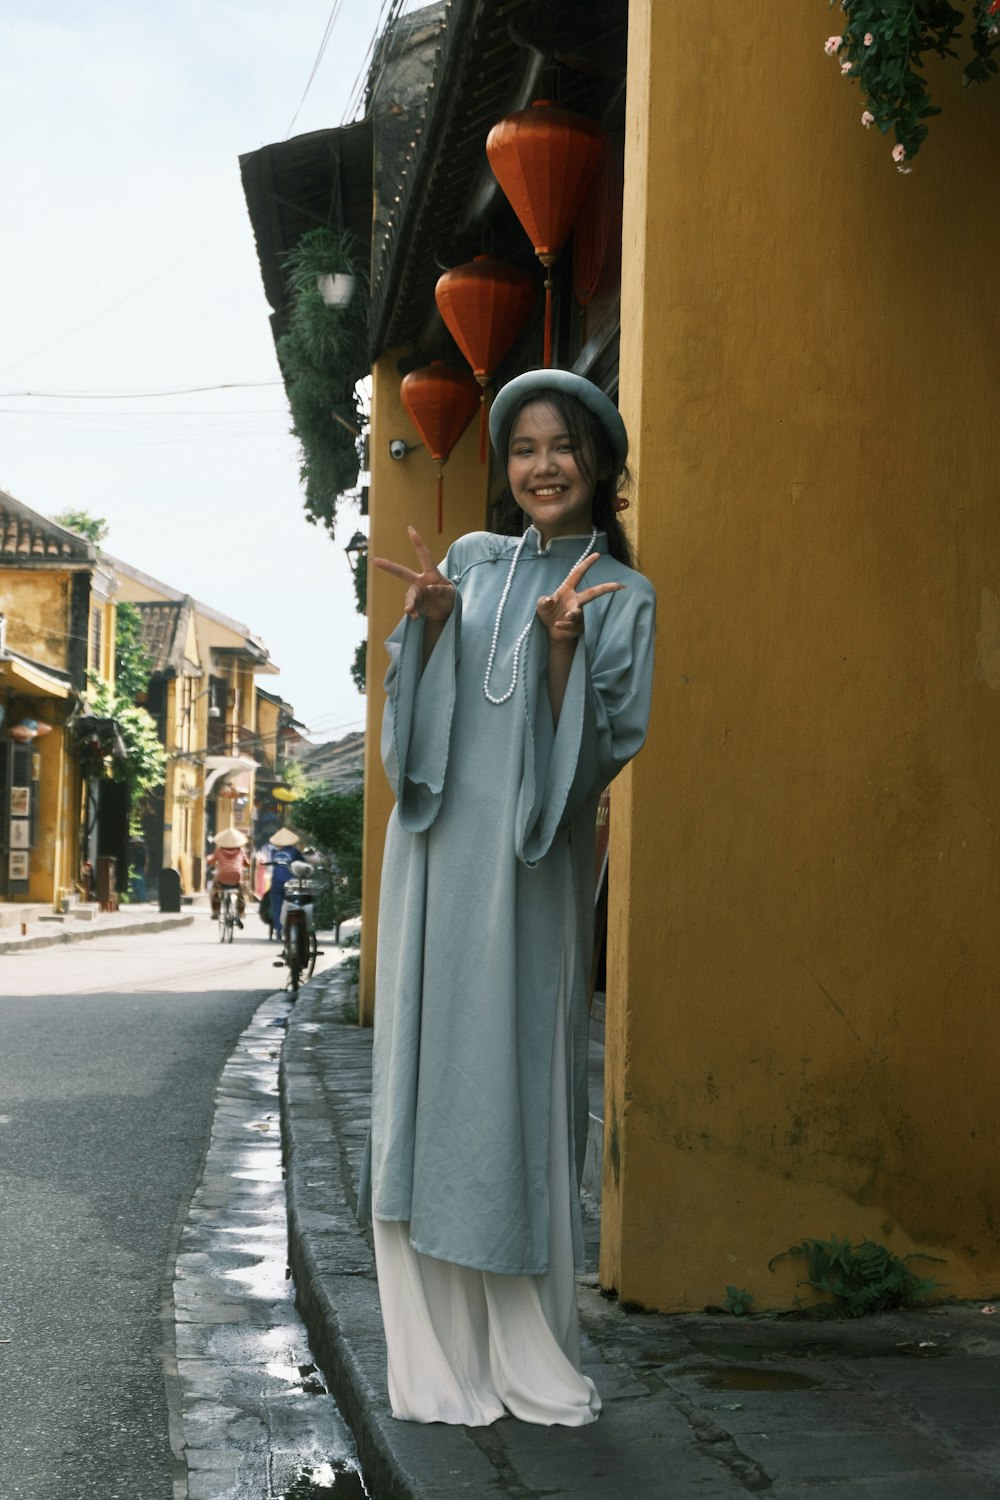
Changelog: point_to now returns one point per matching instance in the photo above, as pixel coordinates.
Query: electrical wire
(134, 292)
(186, 390)
(331, 21)
(236, 411)
(388, 13)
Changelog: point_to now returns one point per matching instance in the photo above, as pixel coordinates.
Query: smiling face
(544, 475)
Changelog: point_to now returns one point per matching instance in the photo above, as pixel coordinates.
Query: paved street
(112, 1051)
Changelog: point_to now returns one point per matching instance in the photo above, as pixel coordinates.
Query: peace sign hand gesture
(429, 595)
(562, 612)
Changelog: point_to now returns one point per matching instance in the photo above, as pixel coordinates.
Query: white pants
(469, 1346)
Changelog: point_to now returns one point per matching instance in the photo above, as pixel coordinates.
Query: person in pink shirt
(229, 863)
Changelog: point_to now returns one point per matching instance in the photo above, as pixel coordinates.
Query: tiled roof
(27, 537)
(164, 631)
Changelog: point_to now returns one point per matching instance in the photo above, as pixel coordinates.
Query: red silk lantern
(484, 304)
(545, 159)
(597, 238)
(440, 400)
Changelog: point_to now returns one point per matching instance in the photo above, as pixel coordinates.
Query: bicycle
(229, 912)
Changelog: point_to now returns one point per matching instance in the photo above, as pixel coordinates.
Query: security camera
(398, 448)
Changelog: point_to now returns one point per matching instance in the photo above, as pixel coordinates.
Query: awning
(227, 768)
(32, 679)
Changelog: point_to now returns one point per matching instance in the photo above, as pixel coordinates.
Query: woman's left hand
(562, 612)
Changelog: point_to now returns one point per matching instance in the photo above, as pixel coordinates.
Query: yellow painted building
(57, 622)
(203, 697)
(802, 971)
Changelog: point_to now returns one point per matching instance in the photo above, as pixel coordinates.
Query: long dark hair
(595, 459)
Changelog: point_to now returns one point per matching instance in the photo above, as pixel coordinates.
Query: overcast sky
(127, 264)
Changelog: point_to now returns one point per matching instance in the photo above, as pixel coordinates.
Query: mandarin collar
(563, 546)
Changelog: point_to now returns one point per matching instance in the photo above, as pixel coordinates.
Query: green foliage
(94, 528)
(883, 46)
(145, 760)
(358, 669)
(132, 664)
(737, 1301)
(323, 356)
(333, 822)
(361, 584)
(862, 1281)
(351, 963)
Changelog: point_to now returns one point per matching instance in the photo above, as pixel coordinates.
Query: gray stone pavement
(245, 1419)
(905, 1406)
(43, 930)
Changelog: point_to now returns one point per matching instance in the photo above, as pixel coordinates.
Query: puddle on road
(236, 1327)
(322, 1482)
(753, 1378)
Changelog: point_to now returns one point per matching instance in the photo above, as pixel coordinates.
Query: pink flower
(845, 67)
(832, 45)
(867, 118)
(868, 38)
(899, 153)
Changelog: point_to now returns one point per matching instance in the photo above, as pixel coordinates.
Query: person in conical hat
(229, 863)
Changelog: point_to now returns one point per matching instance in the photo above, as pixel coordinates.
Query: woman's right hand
(429, 595)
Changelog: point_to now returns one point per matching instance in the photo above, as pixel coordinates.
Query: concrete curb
(94, 929)
(333, 1264)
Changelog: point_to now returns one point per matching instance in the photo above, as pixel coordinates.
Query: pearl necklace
(524, 633)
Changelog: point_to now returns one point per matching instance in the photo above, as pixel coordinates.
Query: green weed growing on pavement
(860, 1281)
(737, 1301)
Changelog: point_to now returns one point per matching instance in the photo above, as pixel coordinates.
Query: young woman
(519, 686)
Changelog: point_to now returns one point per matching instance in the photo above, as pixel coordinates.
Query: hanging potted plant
(323, 356)
(882, 48)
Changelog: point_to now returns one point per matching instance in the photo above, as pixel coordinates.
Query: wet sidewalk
(40, 928)
(904, 1406)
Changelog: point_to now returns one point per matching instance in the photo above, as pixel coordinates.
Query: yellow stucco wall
(402, 493)
(37, 603)
(805, 881)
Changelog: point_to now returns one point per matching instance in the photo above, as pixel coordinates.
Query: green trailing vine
(883, 46)
(860, 1281)
(323, 356)
(145, 762)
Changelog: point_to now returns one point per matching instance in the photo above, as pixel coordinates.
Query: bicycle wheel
(222, 918)
(230, 919)
(311, 958)
(296, 955)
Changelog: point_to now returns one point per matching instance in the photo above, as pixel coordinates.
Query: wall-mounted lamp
(214, 711)
(356, 548)
(399, 448)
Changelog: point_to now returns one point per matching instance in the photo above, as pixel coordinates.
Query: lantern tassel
(483, 426)
(547, 345)
(440, 514)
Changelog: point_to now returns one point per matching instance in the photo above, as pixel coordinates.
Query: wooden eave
(322, 178)
(495, 57)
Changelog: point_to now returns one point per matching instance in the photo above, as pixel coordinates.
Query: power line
(387, 7)
(187, 390)
(331, 21)
(79, 327)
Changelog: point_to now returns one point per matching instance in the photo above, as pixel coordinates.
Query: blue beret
(537, 382)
